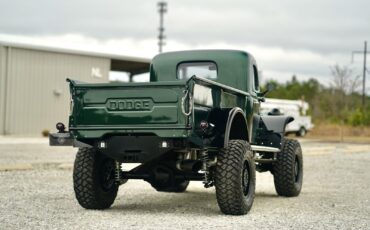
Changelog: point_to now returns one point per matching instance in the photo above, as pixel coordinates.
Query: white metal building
(34, 94)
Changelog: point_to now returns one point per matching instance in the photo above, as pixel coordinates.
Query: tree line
(340, 102)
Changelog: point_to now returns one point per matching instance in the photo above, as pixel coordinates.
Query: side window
(256, 82)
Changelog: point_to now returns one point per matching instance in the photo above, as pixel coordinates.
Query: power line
(364, 52)
(162, 9)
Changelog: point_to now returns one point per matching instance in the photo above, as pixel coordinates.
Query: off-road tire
(92, 179)
(288, 170)
(235, 195)
(178, 187)
(301, 132)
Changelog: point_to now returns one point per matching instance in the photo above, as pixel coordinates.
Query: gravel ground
(335, 195)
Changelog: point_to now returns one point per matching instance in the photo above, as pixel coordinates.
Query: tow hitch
(62, 137)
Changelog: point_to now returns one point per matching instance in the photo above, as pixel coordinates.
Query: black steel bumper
(138, 149)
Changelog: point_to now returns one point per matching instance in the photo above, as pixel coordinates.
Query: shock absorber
(118, 174)
(207, 180)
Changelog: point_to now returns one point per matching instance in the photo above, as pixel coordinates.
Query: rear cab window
(200, 69)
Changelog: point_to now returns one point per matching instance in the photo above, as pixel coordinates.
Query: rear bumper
(124, 148)
(139, 149)
(61, 139)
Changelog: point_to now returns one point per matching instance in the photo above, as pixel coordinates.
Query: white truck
(295, 108)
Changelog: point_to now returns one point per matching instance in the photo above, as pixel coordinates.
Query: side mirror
(269, 88)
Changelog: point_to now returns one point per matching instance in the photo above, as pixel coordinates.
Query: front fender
(271, 130)
(276, 124)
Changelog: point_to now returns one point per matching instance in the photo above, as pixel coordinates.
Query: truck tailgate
(120, 105)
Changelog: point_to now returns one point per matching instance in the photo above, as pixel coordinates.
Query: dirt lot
(37, 193)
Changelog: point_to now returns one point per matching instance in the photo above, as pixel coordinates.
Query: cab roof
(233, 66)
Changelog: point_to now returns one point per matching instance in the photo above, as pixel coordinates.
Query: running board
(260, 148)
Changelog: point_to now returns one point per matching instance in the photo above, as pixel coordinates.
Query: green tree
(340, 102)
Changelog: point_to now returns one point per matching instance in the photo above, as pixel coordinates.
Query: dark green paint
(155, 107)
(232, 65)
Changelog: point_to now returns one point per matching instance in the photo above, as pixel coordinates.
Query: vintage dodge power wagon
(196, 120)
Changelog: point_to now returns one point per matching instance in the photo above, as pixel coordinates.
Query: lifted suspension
(207, 179)
(118, 174)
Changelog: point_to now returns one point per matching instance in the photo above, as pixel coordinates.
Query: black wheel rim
(107, 176)
(296, 169)
(246, 178)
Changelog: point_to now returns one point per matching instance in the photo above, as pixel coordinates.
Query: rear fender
(236, 126)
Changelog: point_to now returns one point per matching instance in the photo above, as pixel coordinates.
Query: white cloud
(275, 62)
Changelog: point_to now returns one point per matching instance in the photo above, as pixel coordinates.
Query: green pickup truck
(196, 120)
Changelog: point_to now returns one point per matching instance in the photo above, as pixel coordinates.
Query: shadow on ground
(190, 202)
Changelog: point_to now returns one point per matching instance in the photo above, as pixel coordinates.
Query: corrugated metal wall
(37, 95)
(2, 88)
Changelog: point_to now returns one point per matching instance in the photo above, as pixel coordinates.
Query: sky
(286, 37)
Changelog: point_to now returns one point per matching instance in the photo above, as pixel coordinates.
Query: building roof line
(74, 51)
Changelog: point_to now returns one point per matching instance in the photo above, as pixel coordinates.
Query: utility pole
(364, 73)
(162, 9)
